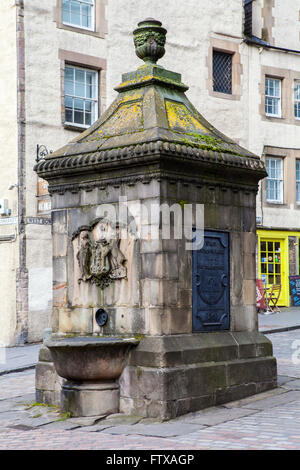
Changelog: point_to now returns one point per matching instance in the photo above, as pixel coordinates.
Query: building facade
(60, 65)
(52, 88)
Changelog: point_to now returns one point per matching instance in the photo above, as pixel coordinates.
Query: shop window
(274, 181)
(270, 261)
(273, 97)
(81, 96)
(222, 72)
(78, 13)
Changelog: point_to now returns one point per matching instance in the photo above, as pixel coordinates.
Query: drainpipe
(21, 333)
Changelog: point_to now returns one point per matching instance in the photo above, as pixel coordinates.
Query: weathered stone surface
(85, 401)
(156, 430)
(120, 419)
(270, 402)
(44, 354)
(254, 398)
(214, 416)
(292, 385)
(46, 377)
(48, 396)
(247, 371)
(85, 421)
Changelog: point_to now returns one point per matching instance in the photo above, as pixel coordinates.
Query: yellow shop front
(274, 256)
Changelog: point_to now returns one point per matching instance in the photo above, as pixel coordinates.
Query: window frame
(281, 180)
(227, 53)
(297, 181)
(93, 16)
(95, 100)
(296, 101)
(279, 98)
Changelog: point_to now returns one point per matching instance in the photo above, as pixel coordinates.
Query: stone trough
(91, 367)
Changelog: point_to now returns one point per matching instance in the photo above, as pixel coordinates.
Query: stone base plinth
(168, 376)
(90, 399)
(47, 382)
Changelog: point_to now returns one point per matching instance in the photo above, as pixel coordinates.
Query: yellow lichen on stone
(128, 118)
(180, 118)
(135, 95)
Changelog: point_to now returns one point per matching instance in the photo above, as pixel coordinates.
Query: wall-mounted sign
(295, 289)
(8, 220)
(38, 221)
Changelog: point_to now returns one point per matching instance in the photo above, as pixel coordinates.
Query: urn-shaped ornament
(149, 40)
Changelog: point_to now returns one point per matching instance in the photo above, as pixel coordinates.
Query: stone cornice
(52, 168)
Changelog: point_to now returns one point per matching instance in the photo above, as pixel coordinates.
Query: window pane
(80, 96)
(79, 89)
(79, 75)
(272, 96)
(78, 12)
(274, 181)
(222, 72)
(69, 87)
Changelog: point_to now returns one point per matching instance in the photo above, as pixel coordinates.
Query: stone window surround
(287, 78)
(86, 61)
(100, 21)
(230, 47)
(268, 21)
(289, 157)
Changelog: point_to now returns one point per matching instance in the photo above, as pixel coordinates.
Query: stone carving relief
(99, 256)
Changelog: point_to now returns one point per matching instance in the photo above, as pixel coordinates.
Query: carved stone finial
(149, 40)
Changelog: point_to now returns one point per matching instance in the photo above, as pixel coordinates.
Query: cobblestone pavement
(270, 420)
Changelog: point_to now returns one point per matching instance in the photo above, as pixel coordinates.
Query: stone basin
(90, 358)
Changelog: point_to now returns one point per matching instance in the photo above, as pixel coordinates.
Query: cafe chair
(273, 298)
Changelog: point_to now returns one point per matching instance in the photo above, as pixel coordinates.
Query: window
(248, 18)
(79, 13)
(273, 97)
(298, 181)
(81, 96)
(274, 168)
(297, 100)
(222, 72)
(270, 261)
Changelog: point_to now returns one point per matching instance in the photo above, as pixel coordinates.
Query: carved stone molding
(51, 167)
(99, 257)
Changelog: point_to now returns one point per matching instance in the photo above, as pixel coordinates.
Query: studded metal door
(211, 286)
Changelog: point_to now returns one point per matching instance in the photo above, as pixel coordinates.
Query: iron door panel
(211, 286)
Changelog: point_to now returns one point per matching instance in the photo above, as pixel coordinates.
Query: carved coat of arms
(99, 256)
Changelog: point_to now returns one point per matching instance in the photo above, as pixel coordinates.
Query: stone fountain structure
(182, 323)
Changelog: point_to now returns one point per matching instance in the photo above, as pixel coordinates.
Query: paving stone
(88, 421)
(38, 421)
(156, 430)
(13, 417)
(61, 426)
(217, 415)
(119, 419)
(282, 379)
(151, 421)
(292, 385)
(95, 428)
(254, 398)
(10, 405)
(278, 400)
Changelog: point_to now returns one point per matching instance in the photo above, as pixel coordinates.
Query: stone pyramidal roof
(151, 114)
